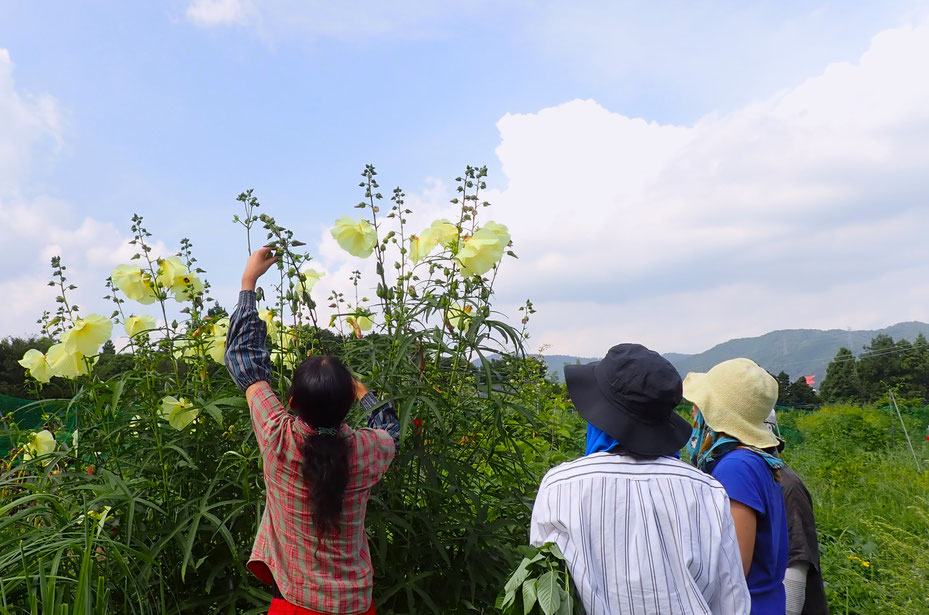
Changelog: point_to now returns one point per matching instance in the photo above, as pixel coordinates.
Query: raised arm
(246, 356)
(381, 415)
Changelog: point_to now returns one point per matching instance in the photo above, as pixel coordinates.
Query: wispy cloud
(685, 57)
(208, 13)
(348, 20)
(36, 227)
(29, 122)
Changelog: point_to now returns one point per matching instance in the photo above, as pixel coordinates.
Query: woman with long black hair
(311, 546)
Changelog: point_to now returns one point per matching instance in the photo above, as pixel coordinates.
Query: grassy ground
(872, 505)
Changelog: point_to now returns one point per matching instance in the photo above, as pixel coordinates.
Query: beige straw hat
(735, 397)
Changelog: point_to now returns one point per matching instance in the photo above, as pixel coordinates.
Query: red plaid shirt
(332, 574)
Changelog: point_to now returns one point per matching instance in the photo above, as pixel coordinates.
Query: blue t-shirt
(748, 479)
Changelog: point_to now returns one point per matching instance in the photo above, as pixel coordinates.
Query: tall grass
(871, 505)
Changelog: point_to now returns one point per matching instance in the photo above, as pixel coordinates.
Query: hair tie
(327, 431)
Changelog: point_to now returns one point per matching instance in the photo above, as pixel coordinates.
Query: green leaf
(117, 392)
(233, 401)
(529, 596)
(215, 412)
(549, 594)
(537, 557)
(567, 604)
(500, 602)
(518, 577)
(553, 548)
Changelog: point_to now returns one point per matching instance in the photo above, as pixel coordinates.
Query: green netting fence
(28, 414)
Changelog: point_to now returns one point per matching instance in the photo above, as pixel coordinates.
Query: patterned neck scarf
(706, 447)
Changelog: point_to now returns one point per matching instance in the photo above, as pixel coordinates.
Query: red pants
(279, 606)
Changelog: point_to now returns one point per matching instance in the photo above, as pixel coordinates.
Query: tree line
(796, 394)
(884, 365)
(13, 380)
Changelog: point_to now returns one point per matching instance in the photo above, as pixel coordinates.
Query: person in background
(731, 443)
(803, 580)
(642, 532)
(311, 546)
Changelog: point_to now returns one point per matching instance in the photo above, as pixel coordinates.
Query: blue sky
(170, 109)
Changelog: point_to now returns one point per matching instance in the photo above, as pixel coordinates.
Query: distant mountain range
(556, 363)
(798, 352)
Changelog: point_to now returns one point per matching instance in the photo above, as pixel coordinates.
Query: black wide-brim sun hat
(631, 394)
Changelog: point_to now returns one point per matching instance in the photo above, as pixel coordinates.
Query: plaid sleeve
(381, 415)
(247, 357)
(268, 417)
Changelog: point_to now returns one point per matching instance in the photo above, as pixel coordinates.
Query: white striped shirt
(643, 537)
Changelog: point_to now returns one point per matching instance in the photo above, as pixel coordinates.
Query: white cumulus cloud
(801, 210)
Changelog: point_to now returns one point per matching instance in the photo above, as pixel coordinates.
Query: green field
(871, 503)
(140, 510)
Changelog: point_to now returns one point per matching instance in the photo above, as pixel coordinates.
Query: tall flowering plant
(154, 472)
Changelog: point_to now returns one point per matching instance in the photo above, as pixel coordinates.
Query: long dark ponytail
(321, 394)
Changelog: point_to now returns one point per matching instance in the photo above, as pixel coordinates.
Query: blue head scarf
(599, 441)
